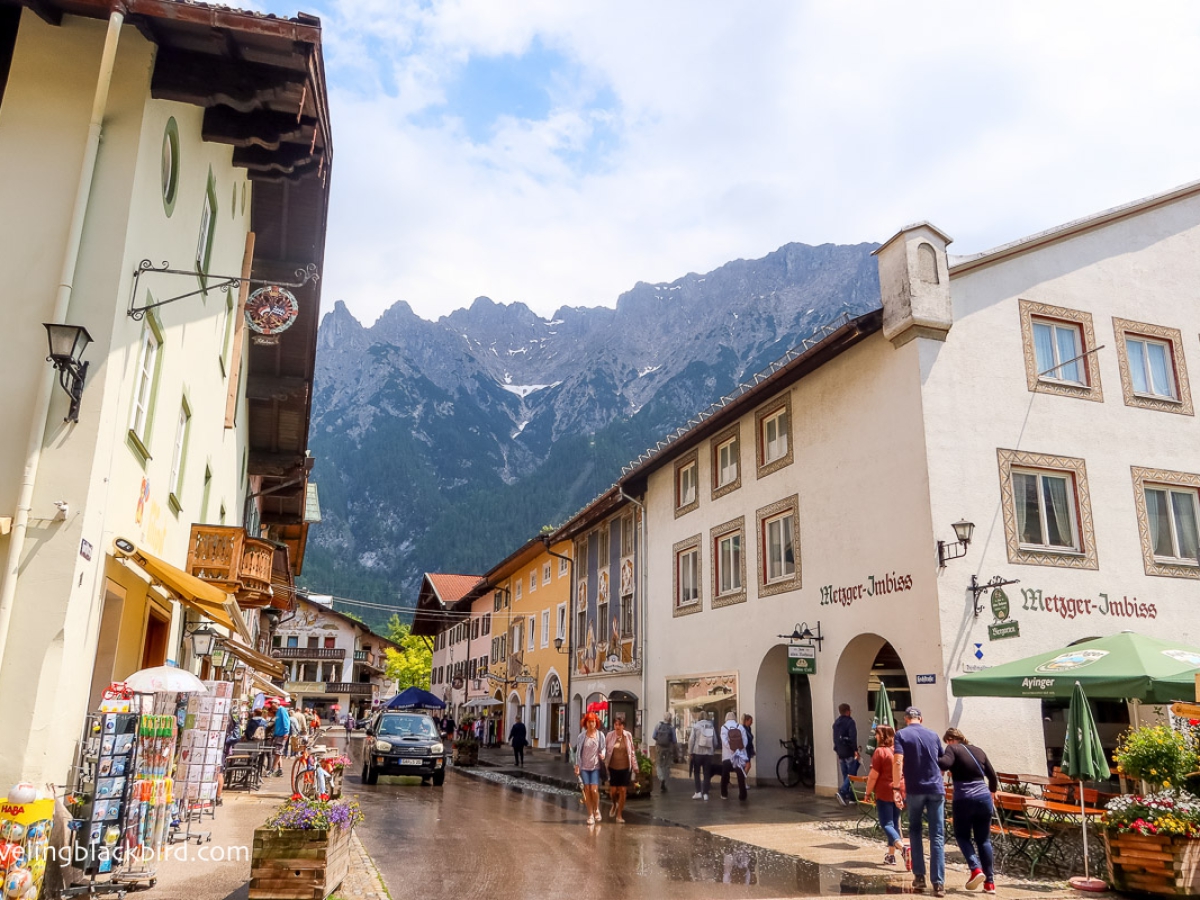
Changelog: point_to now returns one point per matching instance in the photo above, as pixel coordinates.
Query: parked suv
(404, 743)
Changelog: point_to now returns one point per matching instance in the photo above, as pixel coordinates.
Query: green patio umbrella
(882, 716)
(1123, 666)
(1083, 760)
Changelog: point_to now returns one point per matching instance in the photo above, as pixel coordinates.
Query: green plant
(321, 814)
(1171, 812)
(1157, 754)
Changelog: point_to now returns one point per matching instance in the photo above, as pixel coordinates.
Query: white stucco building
(1039, 391)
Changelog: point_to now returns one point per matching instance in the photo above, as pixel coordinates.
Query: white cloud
(733, 129)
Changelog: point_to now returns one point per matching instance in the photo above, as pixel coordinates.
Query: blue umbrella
(415, 698)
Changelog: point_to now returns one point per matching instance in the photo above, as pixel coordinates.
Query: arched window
(927, 268)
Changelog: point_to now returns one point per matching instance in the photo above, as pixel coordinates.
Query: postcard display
(105, 831)
(200, 747)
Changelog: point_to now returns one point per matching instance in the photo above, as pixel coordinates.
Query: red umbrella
(598, 706)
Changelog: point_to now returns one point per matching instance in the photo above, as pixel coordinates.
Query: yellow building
(530, 643)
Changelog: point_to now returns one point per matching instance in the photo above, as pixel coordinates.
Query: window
(546, 574)
(726, 462)
(293, 640)
(474, 628)
(1153, 370)
(532, 632)
(581, 627)
(1045, 506)
(208, 223)
(1055, 343)
(687, 565)
(175, 480)
(145, 382)
(170, 166)
(330, 643)
(313, 643)
(687, 483)
(227, 341)
(562, 568)
(602, 619)
(773, 424)
(1047, 514)
(533, 581)
(1168, 504)
(628, 535)
(487, 624)
(627, 615)
(545, 628)
(729, 563)
(779, 547)
(560, 625)
(518, 588)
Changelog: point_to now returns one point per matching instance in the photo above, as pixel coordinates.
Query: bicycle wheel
(806, 771)
(304, 782)
(787, 772)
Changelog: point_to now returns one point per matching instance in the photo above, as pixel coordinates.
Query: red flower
(325, 797)
(297, 797)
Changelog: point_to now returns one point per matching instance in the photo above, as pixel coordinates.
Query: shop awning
(192, 592)
(254, 659)
(271, 690)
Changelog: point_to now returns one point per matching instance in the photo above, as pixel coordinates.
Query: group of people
(729, 751)
(599, 756)
(283, 728)
(908, 770)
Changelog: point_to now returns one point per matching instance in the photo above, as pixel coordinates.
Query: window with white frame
(1057, 344)
(775, 436)
(545, 628)
(1171, 513)
(518, 585)
(560, 624)
(1151, 369)
(144, 380)
(728, 561)
(685, 494)
(727, 462)
(1045, 510)
(532, 634)
(687, 567)
(778, 539)
(533, 581)
(628, 535)
(175, 480)
(546, 573)
(562, 567)
(627, 615)
(1058, 347)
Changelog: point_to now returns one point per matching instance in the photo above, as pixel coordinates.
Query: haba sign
(1073, 607)
(802, 659)
(874, 586)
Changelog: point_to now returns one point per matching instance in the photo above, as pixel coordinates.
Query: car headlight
(437, 750)
(382, 746)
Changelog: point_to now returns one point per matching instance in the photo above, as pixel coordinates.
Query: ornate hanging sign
(270, 311)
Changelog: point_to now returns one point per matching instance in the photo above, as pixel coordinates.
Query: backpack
(733, 735)
(258, 734)
(662, 734)
(704, 737)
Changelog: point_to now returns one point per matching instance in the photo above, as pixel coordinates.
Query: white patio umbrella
(483, 701)
(165, 679)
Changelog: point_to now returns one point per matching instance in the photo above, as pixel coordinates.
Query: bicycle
(796, 765)
(305, 779)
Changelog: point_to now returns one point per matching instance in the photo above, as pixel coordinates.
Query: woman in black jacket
(974, 783)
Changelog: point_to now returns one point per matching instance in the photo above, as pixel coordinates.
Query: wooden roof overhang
(261, 82)
(432, 616)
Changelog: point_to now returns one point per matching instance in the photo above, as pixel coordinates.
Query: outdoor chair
(868, 818)
(1018, 832)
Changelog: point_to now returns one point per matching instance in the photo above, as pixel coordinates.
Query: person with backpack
(733, 755)
(845, 745)
(664, 749)
(702, 743)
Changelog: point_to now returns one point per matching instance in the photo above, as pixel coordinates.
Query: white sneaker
(706, 796)
(591, 820)
(697, 795)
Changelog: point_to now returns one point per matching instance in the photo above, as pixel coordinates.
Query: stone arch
(778, 713)
(854, 679)
(927, 267)
(550, 702)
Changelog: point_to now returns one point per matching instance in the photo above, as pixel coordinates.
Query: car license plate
(411, 762)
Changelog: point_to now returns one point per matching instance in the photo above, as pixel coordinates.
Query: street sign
(1002, 630)
(926, 679)
(802, 659)
(524, 679)
(999, 604)
(457, 683)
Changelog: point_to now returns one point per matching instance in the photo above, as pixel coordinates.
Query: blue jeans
(933, 807)
(847, 767)
(973, 822)
(889, 821)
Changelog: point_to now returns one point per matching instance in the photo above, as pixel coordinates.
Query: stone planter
(1153, 864)
(298, 865)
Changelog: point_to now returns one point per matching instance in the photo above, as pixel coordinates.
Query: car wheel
(372, 774)
(439, 779)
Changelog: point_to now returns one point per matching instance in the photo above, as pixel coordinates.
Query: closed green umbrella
(1083, 760)
(882, 716)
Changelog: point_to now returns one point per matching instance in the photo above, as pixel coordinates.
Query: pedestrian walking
(299, 731)
(733, 755)
(702, 744)
(620, 758)
(916, 762)
(887, 794)
(349, 726)
(845, 745)
(974, 783)
(589, 754)
(282, 731)
(665, 743)
(517, 737)
(748, 727)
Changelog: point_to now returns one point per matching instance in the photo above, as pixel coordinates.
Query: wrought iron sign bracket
(217, 282)
(976, 589)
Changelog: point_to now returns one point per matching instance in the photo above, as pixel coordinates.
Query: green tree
(412, 664)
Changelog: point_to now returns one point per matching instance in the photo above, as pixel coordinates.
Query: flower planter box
(1153, 864)
(296, 864)
(466, 754)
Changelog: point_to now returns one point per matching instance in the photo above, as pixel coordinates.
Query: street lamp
(67, 343)
(947, 551)
(558, 645)
(803, 633)
(203, 639)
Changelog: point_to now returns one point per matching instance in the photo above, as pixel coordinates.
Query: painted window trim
(715, 536)
(767, 411)
(176, 487)
(1029, 311)
(690, 460)
(1085, 557)
(1172, 337)
(1143, 477)
(140, 443)
(203, 260)
(733, 433)
(762, 516)
(677, 550)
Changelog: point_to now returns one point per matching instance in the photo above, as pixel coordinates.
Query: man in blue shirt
(916, 760)
(283, 730)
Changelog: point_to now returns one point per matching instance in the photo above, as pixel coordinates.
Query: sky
(555, 153)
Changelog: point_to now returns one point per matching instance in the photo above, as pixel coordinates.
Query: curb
(363, 881)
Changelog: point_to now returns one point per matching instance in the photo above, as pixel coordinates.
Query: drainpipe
(566, 737)
(62, 304)
(642, 603)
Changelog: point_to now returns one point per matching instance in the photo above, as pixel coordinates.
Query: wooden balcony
(242, 565)
(354, 688)
(309, 653)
